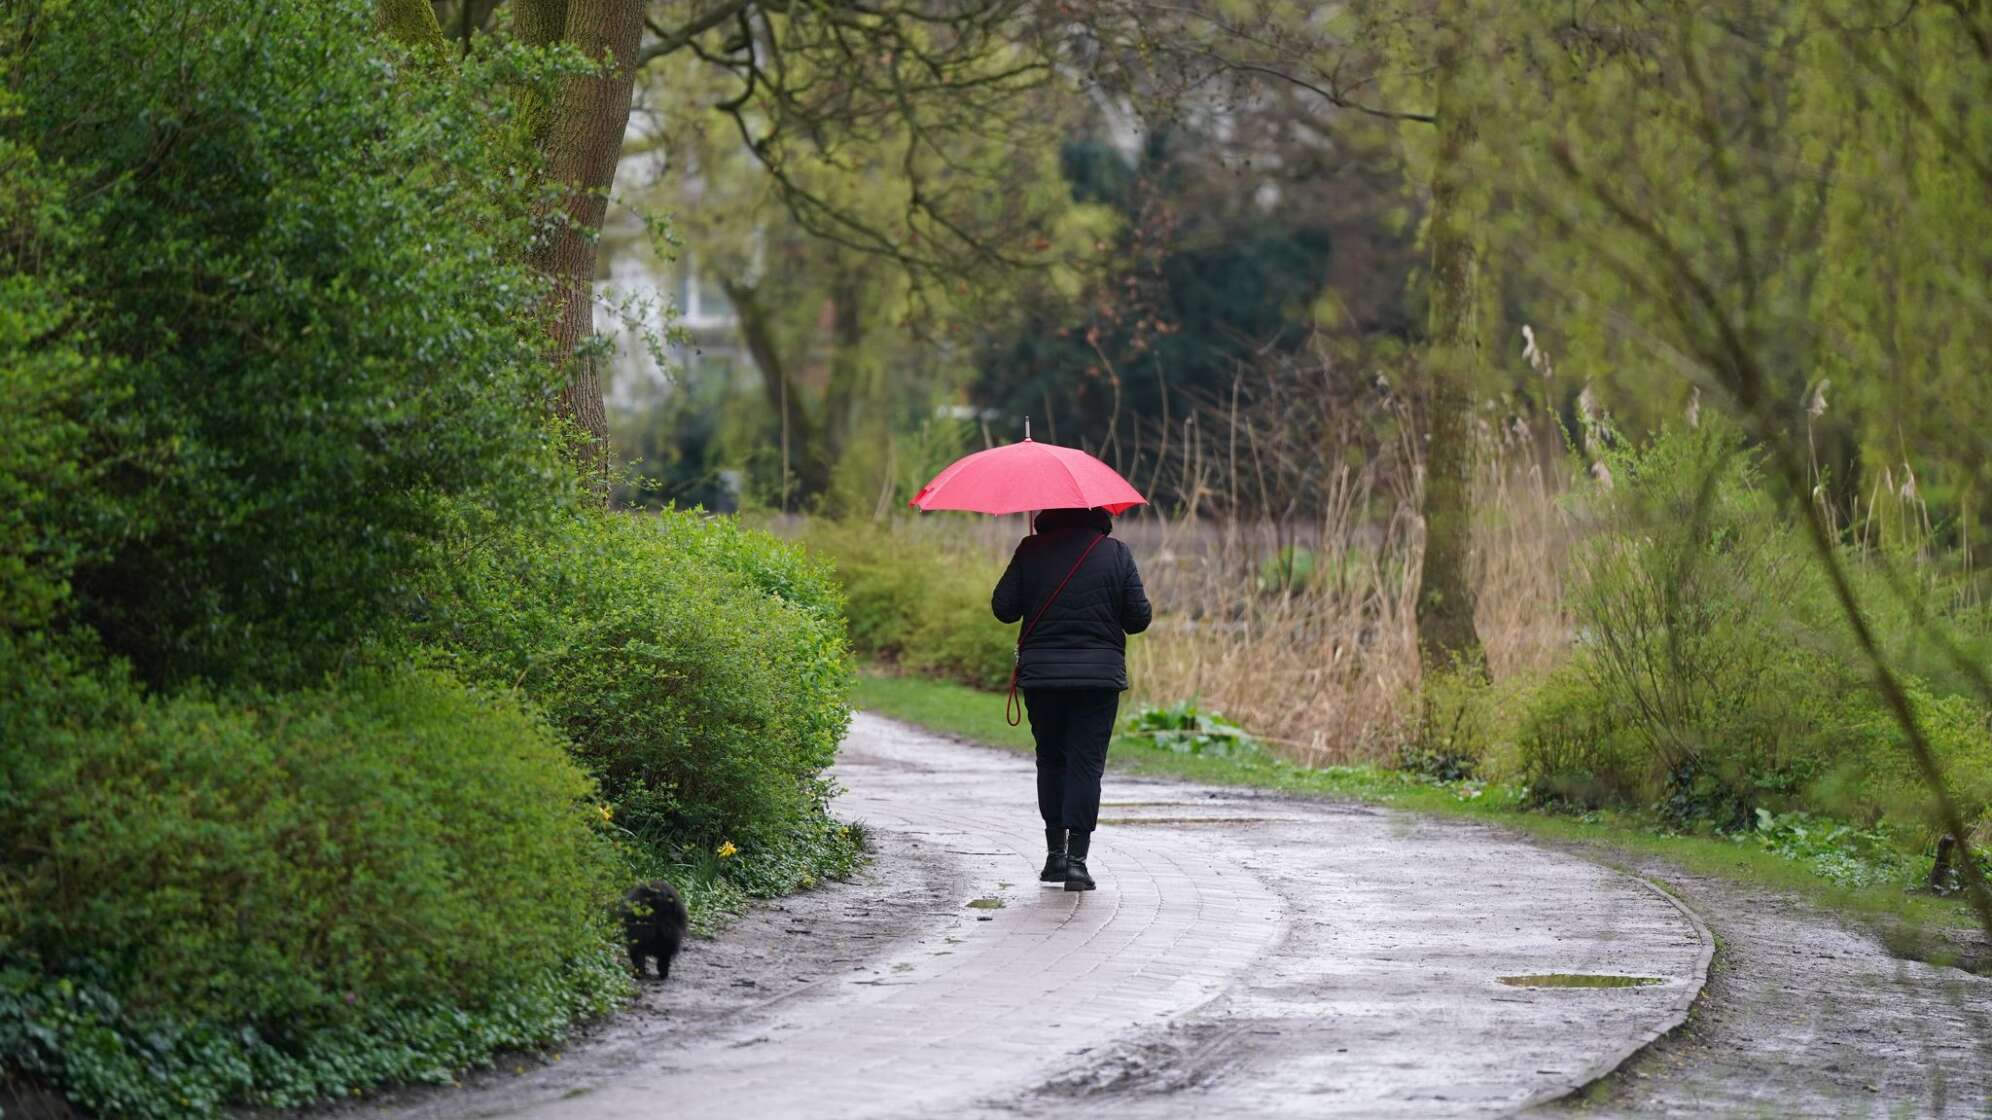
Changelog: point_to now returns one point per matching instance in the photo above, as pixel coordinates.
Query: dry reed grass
(1328, 672)
(1325, 670)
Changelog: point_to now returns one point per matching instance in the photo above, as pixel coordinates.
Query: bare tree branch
(671, 42)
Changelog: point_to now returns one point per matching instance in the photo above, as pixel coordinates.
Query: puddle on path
(1578, 980)
(985, 904)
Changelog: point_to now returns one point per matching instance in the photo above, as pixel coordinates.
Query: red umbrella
(1025, 476)
(1018, 477)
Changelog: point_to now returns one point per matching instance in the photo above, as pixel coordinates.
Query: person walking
(1086, 595)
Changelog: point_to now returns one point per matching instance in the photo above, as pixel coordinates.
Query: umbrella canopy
(1020, 477)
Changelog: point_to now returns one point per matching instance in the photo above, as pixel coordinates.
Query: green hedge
(698, 669)
(283, 898)
(923, 608)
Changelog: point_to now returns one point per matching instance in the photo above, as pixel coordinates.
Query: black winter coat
(1081, 642)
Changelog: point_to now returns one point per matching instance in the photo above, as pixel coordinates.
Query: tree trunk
(849, 374)
(460, 19)
(1446, 634)
(412, 22)
(580, 139)
(801, 471)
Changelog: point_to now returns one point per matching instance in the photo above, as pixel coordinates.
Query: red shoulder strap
(1013, 712)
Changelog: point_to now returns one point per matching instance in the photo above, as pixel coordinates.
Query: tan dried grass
(1328, 673)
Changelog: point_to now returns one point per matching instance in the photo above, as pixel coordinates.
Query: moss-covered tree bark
(580, 140)
(1446, 633)
(410, 21)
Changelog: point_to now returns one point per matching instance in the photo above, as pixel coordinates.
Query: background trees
(917, 85)
(1412, 65)
(853, 272)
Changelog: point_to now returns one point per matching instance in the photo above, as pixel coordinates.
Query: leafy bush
(1880, 781)
(1682, 604)
(957, 638)
(1578, 746)
(767, 564)
(1713, 677)
(47, 501)
(883, 583)
(309, 320)
(698, 669)
(269, 341)
(287, 897)
(1185, 728)
(1459, 721)
(1849, 856)
(923, 608)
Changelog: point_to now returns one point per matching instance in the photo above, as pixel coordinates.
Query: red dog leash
(1012, 710)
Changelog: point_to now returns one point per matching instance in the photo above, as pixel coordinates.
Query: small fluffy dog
(653, 918)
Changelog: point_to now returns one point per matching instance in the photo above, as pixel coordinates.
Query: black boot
(1077, 843)
(1054, 860)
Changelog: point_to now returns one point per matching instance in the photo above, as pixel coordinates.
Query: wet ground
(1806, 1015)
(1245, 955)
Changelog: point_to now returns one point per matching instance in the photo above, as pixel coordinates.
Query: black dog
(653, 918)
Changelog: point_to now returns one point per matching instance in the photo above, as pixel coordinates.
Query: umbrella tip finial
(1027, 428)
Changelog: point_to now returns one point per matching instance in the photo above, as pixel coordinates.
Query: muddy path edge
(1684, 1007)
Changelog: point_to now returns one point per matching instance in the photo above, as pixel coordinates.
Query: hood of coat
(1096, 519)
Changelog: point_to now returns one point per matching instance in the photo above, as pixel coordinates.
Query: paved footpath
(1245, 955)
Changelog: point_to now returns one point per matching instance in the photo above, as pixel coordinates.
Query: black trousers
(1072, 727)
